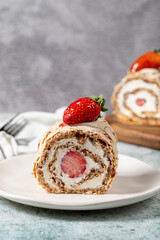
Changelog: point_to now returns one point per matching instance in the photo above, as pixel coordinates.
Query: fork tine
(7, 123)
(18, 127)
(12, 125)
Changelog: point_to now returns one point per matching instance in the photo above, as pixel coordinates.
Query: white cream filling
(65, 178)
(131, 86)
(93, 182)
(148, 106)
(150, 72)
(93, 147)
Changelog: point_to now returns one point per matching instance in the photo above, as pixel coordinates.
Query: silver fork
(13, 127)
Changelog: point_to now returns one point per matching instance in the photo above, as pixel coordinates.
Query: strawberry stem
(157, 51)
(100, 100)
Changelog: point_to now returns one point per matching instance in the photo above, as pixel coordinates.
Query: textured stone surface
(138, 221)
(52, 52)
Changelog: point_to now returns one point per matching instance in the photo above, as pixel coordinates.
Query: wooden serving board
(143, 135)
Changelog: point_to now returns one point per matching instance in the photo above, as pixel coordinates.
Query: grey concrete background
(54, 51)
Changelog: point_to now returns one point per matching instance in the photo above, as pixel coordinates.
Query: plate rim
(80, 206)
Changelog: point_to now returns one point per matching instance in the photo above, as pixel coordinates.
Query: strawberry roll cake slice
(137, 97)
(78, 157)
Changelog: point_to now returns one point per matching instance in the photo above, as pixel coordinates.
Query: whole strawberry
(148, 60)
(84, 110)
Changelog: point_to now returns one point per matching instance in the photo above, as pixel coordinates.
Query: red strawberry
(140, 101)
(73, 163)
(148, 60)
(84, 110)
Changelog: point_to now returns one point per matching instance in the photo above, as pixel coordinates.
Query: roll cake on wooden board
(136, 103)
(136, 99)
(143, 135)
(80, 157)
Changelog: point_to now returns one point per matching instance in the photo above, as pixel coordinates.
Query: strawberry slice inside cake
(140, 101)
(73, 163)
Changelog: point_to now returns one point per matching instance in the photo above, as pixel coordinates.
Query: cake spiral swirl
(95, 142)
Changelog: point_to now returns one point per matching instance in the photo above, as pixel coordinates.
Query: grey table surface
(137, 221)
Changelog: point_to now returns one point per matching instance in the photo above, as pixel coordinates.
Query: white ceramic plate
(134, 182)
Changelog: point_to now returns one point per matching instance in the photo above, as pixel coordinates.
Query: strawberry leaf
(157, 51)
(101, 101)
